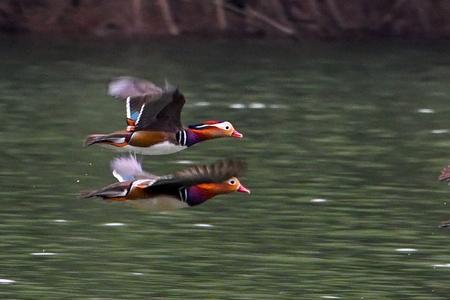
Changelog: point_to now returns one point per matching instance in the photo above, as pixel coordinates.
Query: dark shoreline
(257, 19)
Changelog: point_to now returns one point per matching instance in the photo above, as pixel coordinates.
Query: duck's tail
(93, 139)
(445, 224)
(116, 139)
(116, 191)
(88, 194)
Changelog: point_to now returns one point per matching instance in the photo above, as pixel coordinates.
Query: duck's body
(153, 119)
(142, 142)
(189, 187)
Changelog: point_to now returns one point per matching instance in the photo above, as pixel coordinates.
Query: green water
(340, 122)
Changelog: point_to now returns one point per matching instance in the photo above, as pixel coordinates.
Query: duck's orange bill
(243, 189)
(237, 134)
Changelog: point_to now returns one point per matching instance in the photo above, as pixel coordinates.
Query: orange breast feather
(149, 138)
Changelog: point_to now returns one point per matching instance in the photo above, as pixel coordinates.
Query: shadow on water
(362, 126)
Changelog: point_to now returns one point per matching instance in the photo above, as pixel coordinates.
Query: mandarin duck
(153, 119)
(189, 187)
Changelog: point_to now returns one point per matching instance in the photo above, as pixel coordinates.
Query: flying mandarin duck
(154, 123)
(189, 187)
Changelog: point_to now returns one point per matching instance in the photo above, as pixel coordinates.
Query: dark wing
(144, 109)
(169, 119)
(136, 92)
(129, 168)
(150, 118)
(115, 190)
(216, 172)
(126, 86)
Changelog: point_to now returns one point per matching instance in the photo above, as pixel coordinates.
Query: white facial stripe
(223, 125)
(202, 126)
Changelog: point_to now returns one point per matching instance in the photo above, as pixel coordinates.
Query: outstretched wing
(169, 119)
(127, 86)
(136, 92)
(129, 168)
(144, 109)
(149, 107)
(163, 113)
(216, 172)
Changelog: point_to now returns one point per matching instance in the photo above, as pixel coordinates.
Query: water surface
(344, 144)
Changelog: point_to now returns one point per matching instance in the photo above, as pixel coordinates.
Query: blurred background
(344, 106)
(257, 18)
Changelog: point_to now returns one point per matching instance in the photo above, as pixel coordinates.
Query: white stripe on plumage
(140, 114)
(128, 108)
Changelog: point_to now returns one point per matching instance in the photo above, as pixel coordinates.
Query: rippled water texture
(344, 144)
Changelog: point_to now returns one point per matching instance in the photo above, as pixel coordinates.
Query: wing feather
(153, 106)
(118, 189)
(129, 168)
(149, 106)
(216, 172)
(127, 86)
(169, 119)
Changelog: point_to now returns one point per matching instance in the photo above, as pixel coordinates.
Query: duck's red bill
(237, 134)
(243, 189)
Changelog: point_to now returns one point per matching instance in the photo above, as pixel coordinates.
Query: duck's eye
(227, 127)
(232, 182)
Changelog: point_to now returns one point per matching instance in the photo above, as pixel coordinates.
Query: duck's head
(215, 129)
(228, 186)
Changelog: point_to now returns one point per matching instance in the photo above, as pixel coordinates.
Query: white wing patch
(118, 176)
(117, 140)
(143, 183)
(128, 108)
(126, 168)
